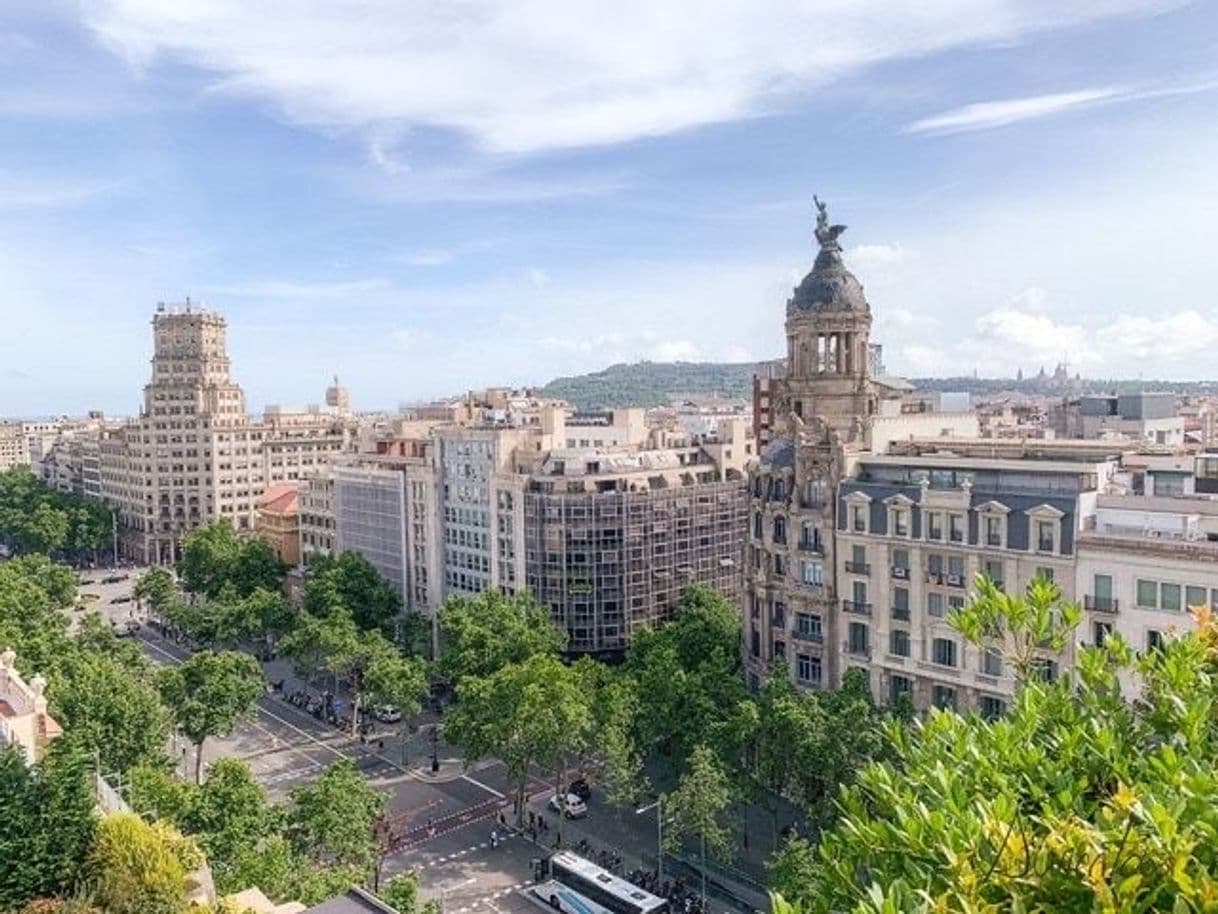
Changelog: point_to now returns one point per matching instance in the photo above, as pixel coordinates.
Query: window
(778, 614)
(858, 516)
(780, 530)
(955, 528)
(1169, 597)
(858, 558)
(1194, 596)
(991, 662)
(943, 697)
(757, 525)
(812, 573)
(1044, 669)
(898, 643)
(808, 626)
(1148, 594)
(993, 530)
(1045, 536)
(1154, 639)
(900, 558)
(857, 640)
(780, 650)
(955, 565)
(934, 605)
(1101, 631)
(992, 568)
(943, 651)
(1043, 571)
(807, 669)
(934, 563)
(991, 707)
(900, 522)
(934, 526)
(899, 687)
(900, 603)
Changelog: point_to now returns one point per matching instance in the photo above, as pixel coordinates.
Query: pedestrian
(494, 838)
(532, 818)
(502, 820)
(533, 833)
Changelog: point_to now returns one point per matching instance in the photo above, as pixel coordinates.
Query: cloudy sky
(425, 197)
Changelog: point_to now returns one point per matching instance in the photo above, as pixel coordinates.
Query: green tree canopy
(136, 867)
(1076, 800)
(349, 582)
(480, 635)
(208, 693)
(214, 558)
(332, 820)
(534, 711)
(37, 519)
(157, 588)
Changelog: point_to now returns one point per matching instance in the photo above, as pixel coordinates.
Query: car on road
(580, 788)
(569, 805)
(387, 714)
(126, 629)
(113, 579)
(121, 599)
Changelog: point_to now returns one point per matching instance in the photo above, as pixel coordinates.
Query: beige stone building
(194, 454)
(13, 449)
(24, 721)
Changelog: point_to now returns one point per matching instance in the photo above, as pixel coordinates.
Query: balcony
(901, 615)
(1101, 604)
(808, 635)
(954, 580)
(900, 572)
(858, 568)
(857, 649)
(935, 577)
(858, 609)
(812, 547)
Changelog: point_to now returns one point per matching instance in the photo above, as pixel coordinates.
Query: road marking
(490, 790)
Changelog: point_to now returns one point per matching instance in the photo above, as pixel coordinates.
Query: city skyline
(421, 215)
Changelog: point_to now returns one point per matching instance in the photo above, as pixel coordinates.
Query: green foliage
(375, 670)
(687, 673)
(1074, 801)
(214, 558)
(402, 893)
(157, 588)
(654, 383)
(37, 519)
(208, 693)
(534, 711)
(482, 634)
(348, 582)
(332, 820)
(46, 822)
(698, 808)
(140, 868)
(229, 815)
(1023, 628)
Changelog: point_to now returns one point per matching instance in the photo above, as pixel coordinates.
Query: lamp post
(658, 806)
(435, 737)
(114, 534)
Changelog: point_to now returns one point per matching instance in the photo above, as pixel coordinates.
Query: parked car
(387, 714)
(580, 788)
(569, 805)
(121, 599)
(126, 629)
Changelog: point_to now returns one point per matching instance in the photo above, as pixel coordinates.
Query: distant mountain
(655, 383)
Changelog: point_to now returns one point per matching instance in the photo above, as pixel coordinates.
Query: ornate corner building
(820, 412)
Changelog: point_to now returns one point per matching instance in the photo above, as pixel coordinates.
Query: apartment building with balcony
(1143, 563)
(917, 525)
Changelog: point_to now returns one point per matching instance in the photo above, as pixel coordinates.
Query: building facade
(194, 455)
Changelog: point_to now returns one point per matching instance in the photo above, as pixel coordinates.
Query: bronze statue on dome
(826, 234)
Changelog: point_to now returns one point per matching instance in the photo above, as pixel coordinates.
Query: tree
(698, 808)
(256, 567)
(1023, 628)
(688, 672)
(228, 814)
(523, 713)
(138, 867)
(375, 670)
(208, 693)
(348, 581)
(482, 634)
(402, 893)
(46, 822)
(792, 867)
(1075, 800)
(111, 709)
(332, 820)
(157, 588)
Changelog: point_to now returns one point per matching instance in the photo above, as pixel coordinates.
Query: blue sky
(428, 197)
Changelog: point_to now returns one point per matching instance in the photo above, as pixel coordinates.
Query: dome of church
(830, 287)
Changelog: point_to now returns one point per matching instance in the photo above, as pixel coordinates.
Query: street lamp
(658, 806)
(435, 737)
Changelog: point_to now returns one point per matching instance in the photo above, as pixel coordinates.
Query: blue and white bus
(603, 887)
(565, 899)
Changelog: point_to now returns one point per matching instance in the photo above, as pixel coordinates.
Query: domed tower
(828, 331)
(338, 399)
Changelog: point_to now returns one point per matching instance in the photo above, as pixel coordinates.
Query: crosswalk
(489, 899)
(472, 849)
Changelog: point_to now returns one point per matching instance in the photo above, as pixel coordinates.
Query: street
(441, 821)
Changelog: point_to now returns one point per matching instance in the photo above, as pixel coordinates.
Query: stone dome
(829, 287)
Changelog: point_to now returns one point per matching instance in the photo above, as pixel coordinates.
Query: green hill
(653, 383)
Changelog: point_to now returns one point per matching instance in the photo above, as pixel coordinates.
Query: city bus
(565, 899)
(603, 887)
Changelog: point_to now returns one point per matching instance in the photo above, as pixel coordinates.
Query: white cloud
(875, 256)
(1185, 334)
(987, 115)
(538, 277)
(534, 75)
(675, 351)
(276, 288)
